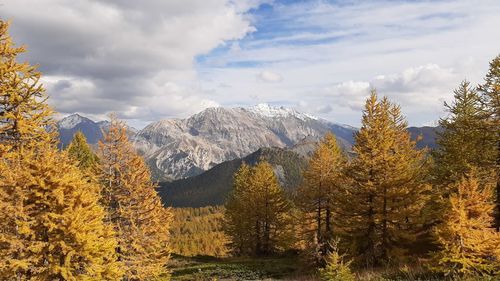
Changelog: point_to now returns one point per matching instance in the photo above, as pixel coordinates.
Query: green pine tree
(80, 151)
(490, 93)
(464, 141)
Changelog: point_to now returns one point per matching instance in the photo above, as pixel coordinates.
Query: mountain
(181, 148)
(71, 124)
(213, 186)
(426, 135)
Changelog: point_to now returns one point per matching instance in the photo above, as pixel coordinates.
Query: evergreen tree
(52, 226)
(80, 151)
(464, 141)
(317, 196)
(134, 208)
(257, 218)
(490, 93)
(469, 245)
(386, 192)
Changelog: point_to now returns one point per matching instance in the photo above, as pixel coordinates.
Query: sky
(157, 59)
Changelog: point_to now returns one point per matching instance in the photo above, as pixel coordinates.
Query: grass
(210, 268)
(287, 267)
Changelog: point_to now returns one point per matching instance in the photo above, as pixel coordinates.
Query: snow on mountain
(71, 121)
(179, 148)
(267, 110)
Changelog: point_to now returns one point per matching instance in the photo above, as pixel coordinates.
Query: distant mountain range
(182, 148)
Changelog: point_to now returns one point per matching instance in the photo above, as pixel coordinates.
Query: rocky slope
(180, 148)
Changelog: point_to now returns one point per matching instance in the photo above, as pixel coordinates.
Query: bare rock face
(180, 148)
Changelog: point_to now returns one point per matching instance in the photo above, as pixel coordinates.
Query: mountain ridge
(185, 147)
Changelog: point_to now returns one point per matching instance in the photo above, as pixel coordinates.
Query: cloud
(269, 77)
(116, 55)
(155, 59)
(332, 52)
(421, 90)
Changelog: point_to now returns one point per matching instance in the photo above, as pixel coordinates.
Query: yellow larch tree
(64, 231)
(272, 210)
(468, 243)
(257, 212)
(52, 226)
(134, 207)
(317, 196)
(24, 115)
(386, 191)
(238, 208)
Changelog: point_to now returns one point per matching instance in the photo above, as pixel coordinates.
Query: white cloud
(142, 58)
(119, 55)
(269, 77)
(332, 54)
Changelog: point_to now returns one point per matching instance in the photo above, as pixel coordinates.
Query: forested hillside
(198, 231)
(212, 187)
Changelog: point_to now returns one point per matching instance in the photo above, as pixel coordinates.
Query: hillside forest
(386, 210)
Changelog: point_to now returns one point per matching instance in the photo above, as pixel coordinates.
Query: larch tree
(52, 226)
(64, 231)
(468, 243)
(272, 209)
(24, 115)
(238, 208)
(385, 189)
(490, 93)
(134, 207)
(321, 187)
(80, 151)
(257, 212)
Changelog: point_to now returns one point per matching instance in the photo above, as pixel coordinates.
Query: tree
(336, 269)
(52, 225)
(80, 151)
(464, 141)
(24, 115)
(238, 209)
(490, 93)
(63, 229)
(134, 208)
(317, 196)
(256, 216)
(469, 245)
(386, 190)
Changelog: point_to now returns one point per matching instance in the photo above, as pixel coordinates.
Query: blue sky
(158, 59)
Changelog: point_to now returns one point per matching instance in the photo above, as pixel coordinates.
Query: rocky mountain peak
(71, 121)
